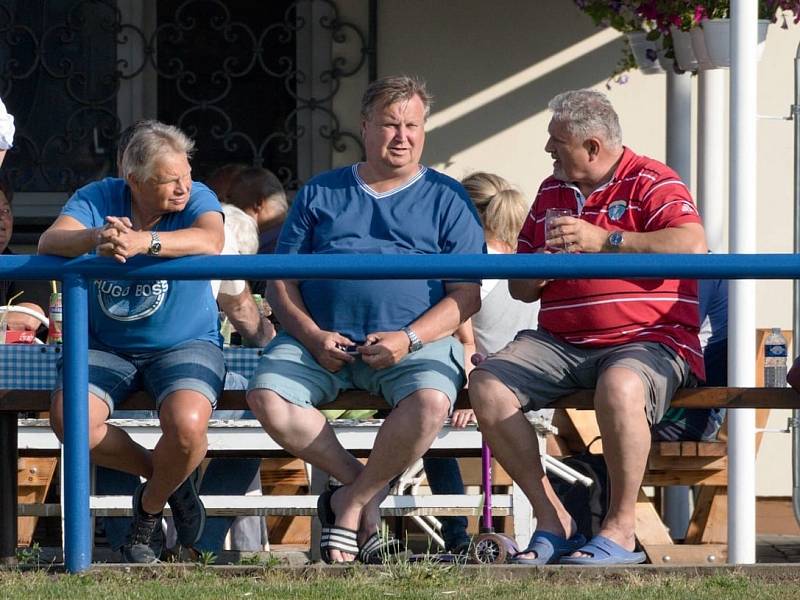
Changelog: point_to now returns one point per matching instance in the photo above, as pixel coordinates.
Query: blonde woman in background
(502, 210)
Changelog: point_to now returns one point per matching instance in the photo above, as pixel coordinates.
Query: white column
(711, 151)
(679, 124)
(741, 327)
(676, 507)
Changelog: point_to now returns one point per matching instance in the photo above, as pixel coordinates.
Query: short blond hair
(390, 90)
(501, 207)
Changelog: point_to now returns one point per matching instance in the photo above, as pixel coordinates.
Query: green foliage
(425, 581)
(29, 557)
(206, 558)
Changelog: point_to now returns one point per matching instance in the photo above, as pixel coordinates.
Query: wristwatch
(415, 343)
(615, 240)
(155, 244)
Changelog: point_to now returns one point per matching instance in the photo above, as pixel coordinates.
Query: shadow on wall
(463, 47)
(522, 103)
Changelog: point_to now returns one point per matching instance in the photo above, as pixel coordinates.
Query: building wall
(493, 66)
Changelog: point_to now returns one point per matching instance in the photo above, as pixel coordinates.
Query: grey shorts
(289, 370)
(539, 368)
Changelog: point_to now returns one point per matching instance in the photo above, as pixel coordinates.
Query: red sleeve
(668, 203)
(526, 242)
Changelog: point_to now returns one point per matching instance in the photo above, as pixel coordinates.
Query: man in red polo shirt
(633, 341)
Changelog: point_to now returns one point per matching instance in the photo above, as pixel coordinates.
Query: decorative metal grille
(228, 73)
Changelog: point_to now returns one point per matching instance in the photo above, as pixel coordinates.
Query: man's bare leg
(620, 409)
(515, 446)
(404, 437)
(305, 433)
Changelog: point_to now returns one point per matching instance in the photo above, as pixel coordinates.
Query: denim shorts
(539, 368)
(194, 365)
(289, 370)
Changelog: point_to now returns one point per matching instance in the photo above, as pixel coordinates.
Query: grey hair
(586, 113)
(148, 143)
(396, 88)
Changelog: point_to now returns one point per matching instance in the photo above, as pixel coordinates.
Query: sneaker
(188, 511)
(146, 538)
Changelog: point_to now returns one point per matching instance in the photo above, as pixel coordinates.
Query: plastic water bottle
(775, 359)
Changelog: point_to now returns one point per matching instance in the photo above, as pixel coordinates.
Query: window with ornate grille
(252, 82)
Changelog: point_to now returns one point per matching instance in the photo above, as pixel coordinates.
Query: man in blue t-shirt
(141, 334)
(390, 337)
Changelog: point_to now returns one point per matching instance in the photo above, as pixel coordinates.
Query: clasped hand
(119, 240)
(380, 350)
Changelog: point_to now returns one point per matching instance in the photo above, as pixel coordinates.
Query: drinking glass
(549, 217)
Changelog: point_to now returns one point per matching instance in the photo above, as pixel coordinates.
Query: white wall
(494, 65)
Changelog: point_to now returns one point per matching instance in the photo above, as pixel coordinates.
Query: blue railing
(77, 274)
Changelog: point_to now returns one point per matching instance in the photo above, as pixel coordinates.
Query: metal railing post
(77, 524)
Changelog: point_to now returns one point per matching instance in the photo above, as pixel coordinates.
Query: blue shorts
(289, 370)
(194, 365)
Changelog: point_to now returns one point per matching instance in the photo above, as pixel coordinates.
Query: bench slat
(711, 397)
(393, 505)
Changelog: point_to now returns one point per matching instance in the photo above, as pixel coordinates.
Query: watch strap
(155, 244)
(414, 342)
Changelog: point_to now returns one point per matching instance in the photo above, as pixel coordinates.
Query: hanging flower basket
(682, 46)
(646, 52)
(717, 36)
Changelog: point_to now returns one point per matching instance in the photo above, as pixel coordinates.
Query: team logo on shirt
(616, 209)
(131, 300)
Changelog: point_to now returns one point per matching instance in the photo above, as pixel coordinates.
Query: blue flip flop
(603, 551)
(549, 548)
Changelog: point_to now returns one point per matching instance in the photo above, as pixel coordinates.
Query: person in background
(502, 210)
(7, 131)
(32, 295)
(703, 424)
(258, 194)
(221, 179)
(141, 334)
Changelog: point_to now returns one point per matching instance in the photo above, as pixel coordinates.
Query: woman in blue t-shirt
(141, 335)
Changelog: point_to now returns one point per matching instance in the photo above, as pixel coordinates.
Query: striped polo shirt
(643, 195)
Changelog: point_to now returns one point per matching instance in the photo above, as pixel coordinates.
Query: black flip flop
(333, 537)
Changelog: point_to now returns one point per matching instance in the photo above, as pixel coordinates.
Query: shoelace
(143, 529)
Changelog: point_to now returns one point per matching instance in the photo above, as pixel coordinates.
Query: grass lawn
(400, 581)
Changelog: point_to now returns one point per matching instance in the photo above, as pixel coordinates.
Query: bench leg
(8, 488)
(319, 482)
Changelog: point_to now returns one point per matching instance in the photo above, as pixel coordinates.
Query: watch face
(155, 244)
(615, 239)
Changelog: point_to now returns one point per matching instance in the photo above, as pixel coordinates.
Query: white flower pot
(700, 50)
(682, 46)
(717, 35)
(645, 52)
